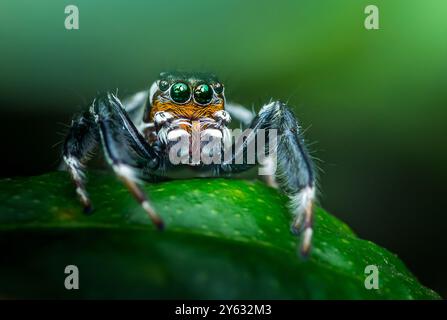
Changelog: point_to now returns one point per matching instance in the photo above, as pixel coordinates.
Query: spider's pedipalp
(162, 117)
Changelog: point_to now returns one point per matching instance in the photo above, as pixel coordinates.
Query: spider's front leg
(126, 151)
(294, 172)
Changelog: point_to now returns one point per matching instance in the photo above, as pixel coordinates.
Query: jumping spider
(136, 135)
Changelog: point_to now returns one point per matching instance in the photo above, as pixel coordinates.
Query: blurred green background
(373, 101)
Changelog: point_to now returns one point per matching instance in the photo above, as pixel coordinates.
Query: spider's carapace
(188, 96)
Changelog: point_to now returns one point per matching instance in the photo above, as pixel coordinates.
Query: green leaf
(224, 239)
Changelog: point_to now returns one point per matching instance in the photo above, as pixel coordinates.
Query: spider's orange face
(188, 96)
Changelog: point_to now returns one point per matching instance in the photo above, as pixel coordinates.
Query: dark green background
(373, 100)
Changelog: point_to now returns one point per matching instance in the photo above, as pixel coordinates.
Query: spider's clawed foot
(305, 234)
(303, 226)
(155, 218)
(306, 242)
(84, 199)
(87, 208)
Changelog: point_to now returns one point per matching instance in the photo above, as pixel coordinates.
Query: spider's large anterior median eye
(203, 94)
(180, 92)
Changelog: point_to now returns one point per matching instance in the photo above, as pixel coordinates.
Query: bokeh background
(374, 102)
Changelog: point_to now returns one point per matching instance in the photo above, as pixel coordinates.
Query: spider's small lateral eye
(218, 87)
(203, 94)
(163, 85)
(180, 92)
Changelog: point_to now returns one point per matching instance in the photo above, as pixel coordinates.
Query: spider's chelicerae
(138, 134)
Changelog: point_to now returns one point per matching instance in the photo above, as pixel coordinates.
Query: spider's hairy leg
(294, 172)
(245, 116)
(127, 175)
(81, 139)
(270, 179)
(126, 151)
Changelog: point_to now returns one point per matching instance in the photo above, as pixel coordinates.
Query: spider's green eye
(163, 85)
(180, 92)
(203, 94)
(218, 87)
